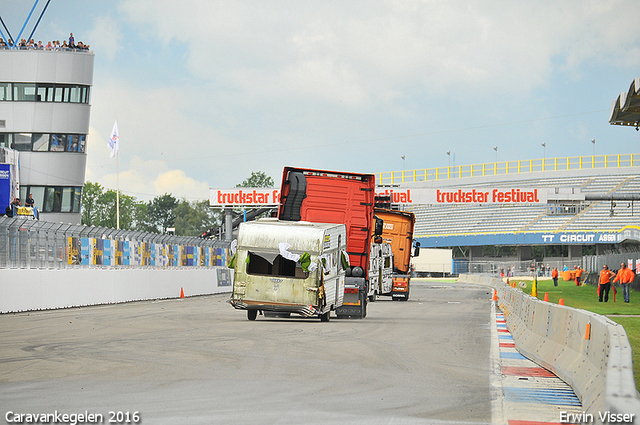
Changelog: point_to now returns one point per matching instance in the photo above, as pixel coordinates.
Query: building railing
(509, 167)
(26, 243)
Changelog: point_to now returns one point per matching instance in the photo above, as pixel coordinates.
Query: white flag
(114, 140)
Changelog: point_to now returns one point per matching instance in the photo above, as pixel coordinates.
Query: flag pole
(118, 191)
(114, 145)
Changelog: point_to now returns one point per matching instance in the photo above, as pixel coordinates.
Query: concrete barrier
(36, 289)
(588, 351)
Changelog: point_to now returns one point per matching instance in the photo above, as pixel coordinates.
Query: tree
(160, 211)
(257, 179)
(195, 218)
(142, 220)
(90, 194)
(99, 207)
(108, 210)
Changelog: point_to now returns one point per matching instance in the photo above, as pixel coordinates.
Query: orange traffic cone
(561, 301)
(546, 296)
(181, 293)
(495, 295)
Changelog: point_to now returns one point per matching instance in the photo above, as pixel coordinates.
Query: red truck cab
(320, 196)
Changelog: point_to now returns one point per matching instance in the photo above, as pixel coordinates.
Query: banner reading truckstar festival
(483, 195)
(247, 196)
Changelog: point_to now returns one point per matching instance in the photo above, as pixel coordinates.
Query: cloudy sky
(205, 92)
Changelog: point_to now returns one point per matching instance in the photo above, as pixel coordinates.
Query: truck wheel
(364, 306)
(252, 314)
(325, 317)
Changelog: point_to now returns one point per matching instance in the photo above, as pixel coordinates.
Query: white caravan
(289, 267)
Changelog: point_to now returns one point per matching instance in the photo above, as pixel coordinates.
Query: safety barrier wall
(40, 289)
(34, 244)
(588, 351)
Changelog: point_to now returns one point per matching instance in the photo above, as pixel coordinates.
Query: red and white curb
(524, 393)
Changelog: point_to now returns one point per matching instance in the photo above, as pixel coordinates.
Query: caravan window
(270, 264)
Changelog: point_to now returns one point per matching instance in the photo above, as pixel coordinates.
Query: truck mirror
(416, 251)
(379, 226)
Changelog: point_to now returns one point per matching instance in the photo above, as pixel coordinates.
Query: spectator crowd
(51, 45)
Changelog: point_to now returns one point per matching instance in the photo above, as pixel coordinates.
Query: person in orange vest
(605, 283)
(578, 275)
(554, 275)
(625, 276)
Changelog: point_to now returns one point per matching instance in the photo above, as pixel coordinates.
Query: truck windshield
(266, 264)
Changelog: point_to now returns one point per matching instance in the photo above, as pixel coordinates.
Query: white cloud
(367, 52)
(105, 36)
(177, 182)
(221, 89)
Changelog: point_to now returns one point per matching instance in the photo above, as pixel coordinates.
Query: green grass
(586, 298)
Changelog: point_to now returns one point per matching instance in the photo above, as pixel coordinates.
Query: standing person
(605, 283)
(578, 275)
(72, 41)
(554, 275)
(625, 276)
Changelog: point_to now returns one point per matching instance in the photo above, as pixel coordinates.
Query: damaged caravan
(289, 267)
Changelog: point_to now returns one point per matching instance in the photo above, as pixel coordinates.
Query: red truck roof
(337, 197)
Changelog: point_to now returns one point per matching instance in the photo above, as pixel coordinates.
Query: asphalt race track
(199, 361)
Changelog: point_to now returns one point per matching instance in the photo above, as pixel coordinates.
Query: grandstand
(590, 201)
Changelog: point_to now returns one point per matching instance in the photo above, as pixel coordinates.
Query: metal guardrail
(26, 243)
(509, 167)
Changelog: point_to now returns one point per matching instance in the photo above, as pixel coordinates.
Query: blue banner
(108, 257)
(86, 246)
(628, 233)
(126, 253)
(5, 187)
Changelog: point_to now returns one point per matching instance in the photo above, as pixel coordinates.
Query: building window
(24, 91)
(22, 141)
(5, 140)
(54, 199)
(5, 91)
(44, 92)
(42, 142)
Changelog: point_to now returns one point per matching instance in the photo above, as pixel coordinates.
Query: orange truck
(397, 231)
